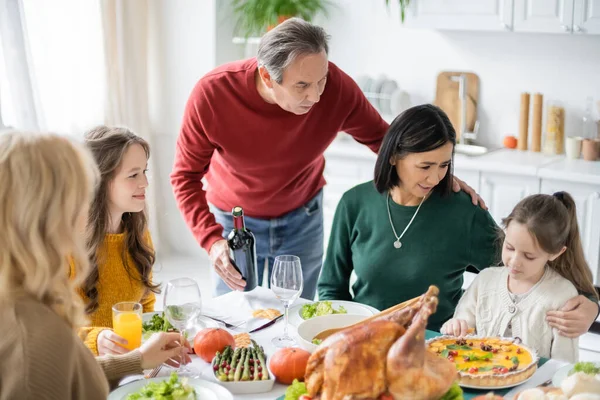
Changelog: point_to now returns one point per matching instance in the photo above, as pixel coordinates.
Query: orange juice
(128, 325)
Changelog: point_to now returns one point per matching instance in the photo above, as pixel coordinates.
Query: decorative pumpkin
(210, 340)
(289, 364)
(510, 142)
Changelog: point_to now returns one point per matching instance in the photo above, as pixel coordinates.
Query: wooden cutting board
(446, 97)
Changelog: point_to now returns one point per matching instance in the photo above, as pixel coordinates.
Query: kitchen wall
(367, 39)
(185, 33)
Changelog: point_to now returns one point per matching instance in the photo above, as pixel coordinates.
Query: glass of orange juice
(127, 323)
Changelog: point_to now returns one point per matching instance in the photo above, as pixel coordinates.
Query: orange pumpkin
(289, 364)
(510, 142)
(210, 340)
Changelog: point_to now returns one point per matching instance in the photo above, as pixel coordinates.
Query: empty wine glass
(287, 284)
(183, 304)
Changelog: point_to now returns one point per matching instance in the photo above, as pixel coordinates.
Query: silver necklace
(397, 242)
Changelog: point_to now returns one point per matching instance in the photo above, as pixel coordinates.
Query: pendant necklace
(397, 242)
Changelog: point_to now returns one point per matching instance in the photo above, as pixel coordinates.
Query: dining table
(236, 309)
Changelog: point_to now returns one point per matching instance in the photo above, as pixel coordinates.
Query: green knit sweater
(448, 234)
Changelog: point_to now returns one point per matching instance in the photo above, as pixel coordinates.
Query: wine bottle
(242, 245)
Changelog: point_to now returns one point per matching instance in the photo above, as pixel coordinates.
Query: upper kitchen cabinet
(586, 16)
(484, 15)
(557, 16)
(549, 16)
(536, 16)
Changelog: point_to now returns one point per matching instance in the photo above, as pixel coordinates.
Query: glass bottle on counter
(242, 246)
(589, 125)
(555, 128)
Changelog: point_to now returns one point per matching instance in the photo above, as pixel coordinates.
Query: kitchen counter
(510, 161)
(579, 171)
(516, 162)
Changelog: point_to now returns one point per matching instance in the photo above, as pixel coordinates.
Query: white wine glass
(286, 284)
(182, 305)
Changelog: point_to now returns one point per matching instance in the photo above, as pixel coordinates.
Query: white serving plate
(205, 390)
(350, 306)
(562, 373)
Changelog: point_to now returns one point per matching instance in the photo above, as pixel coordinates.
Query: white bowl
(309, 328)
(248, 387)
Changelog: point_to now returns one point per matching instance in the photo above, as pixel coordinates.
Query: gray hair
(294, 37)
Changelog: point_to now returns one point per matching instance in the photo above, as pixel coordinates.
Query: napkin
(237, 307)
(544, 373)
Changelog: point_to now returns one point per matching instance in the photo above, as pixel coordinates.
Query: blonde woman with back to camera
(47, 185)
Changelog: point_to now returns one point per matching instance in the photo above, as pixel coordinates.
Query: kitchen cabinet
(502, 192)
(550, 16)
(484, 15)
(535, 16)
(587, 200)
(586, 17)
(470, 177)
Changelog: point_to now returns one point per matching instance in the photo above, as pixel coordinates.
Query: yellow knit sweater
(114, 286)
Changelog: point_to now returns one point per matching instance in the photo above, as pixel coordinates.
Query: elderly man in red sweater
(257, 130)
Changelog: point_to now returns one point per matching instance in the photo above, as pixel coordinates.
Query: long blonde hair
(552, 221)
(47, 185)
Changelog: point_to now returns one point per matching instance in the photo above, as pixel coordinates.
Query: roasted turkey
(384, 355)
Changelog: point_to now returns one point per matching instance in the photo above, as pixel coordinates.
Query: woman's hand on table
(574, 318)
(164, 347)
(109, 342)
(458, 185)
(455, 327)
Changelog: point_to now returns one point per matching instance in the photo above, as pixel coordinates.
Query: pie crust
(494, 355)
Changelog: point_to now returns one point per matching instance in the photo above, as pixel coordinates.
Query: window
(65, 56)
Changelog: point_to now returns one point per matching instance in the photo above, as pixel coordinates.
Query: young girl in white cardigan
(544, 266)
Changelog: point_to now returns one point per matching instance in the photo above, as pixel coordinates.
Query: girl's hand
(109, 342)
(456, 327)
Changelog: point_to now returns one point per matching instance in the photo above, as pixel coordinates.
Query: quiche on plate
(487, 362)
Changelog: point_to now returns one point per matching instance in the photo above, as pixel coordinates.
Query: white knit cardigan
(487, 307)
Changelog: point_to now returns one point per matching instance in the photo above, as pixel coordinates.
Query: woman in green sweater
(407, 229)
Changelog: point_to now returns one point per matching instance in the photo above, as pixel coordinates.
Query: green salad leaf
(295, 390)
(585, 367)
(320, 308)
(454, 393)
(158, 323)
(317, 341)
(171, 389)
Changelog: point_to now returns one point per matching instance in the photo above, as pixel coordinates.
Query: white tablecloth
(236, 307)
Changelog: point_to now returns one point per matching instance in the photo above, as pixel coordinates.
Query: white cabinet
(551, 16)
(347, 164)
(587, 200)
(484, 15)
(586, 16)
(540, 16)
(470, 177)
(502, 192)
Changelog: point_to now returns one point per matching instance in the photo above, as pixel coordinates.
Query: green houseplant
(255, 17)
(403, 6)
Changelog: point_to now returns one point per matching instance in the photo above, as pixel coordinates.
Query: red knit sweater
(255, 154)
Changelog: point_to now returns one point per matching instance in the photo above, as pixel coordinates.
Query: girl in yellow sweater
(118, 241)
